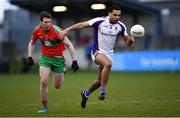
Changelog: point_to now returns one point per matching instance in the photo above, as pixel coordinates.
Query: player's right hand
(30, 61)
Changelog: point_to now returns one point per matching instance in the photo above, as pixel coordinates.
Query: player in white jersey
(107, 29)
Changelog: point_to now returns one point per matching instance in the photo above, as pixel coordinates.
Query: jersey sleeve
(123, 32)
(92, 21)
(95, 21)
(58, 30)
(34, 37)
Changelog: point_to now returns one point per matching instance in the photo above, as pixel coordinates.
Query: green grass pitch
(148, 94)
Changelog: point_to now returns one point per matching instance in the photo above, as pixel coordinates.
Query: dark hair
(44, 14)
(114, 7)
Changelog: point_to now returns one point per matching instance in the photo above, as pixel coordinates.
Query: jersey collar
(51, 27)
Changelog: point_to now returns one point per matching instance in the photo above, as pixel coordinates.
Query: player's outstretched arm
(74, 66)
(30, 50)
(74, 27)
(129, 40)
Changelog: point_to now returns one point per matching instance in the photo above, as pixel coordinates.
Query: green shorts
(55, 63)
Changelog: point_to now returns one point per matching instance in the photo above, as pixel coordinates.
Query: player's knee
(44, 82)
(108, 65)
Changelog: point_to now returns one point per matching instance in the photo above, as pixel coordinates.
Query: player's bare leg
(44, 74)
(58, 80)
(102, 80)
(95, 85)
(104, 61)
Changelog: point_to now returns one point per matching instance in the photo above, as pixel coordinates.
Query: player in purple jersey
(107, 29)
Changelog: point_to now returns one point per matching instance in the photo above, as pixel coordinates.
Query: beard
(114, 21)
(46, 28)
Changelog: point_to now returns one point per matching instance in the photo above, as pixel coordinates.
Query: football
(137, 31)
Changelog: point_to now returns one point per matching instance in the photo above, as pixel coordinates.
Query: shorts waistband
(59, 56)
(53, 56)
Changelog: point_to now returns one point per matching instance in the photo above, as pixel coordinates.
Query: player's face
(46, 23)
(114, 16)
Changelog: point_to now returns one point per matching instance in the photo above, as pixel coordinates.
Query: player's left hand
(74, 66)
(62, 34)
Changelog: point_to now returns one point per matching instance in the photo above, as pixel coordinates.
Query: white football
(137, 31)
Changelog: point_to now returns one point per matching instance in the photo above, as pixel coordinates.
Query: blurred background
(158, 50)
